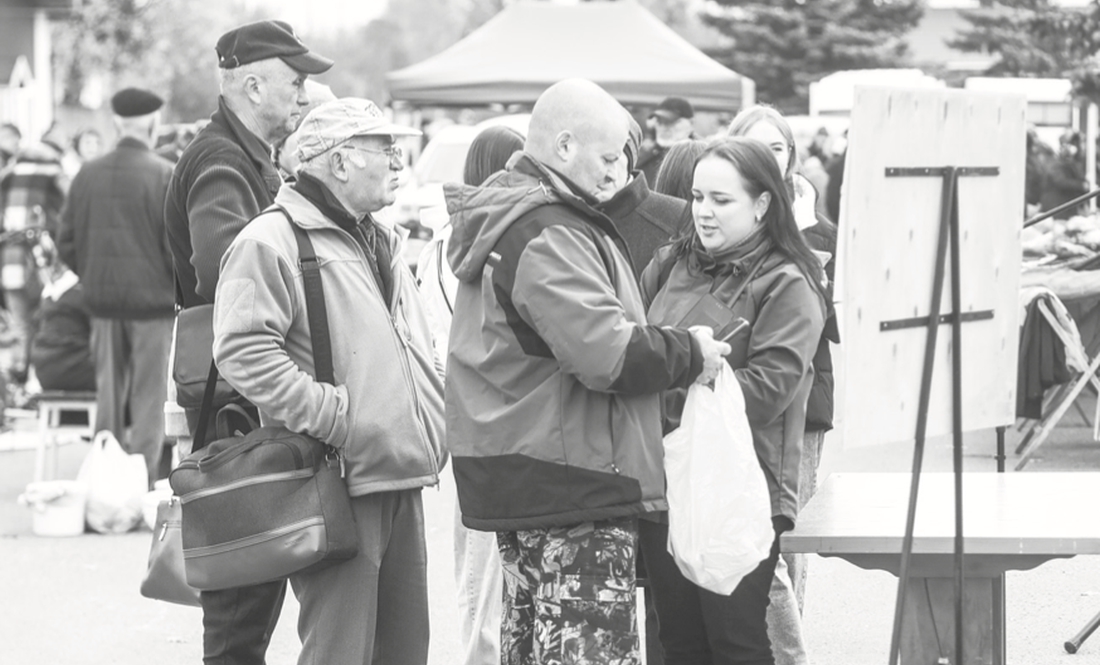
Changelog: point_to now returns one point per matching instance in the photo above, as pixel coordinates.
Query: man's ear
(253, 87)
(338, 165)
(563, 145)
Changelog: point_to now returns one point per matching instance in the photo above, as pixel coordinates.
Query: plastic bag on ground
(719, 514)
(117, 482)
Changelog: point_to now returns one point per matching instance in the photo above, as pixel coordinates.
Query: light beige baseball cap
(335, 122)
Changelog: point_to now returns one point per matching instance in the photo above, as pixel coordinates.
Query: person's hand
(713, 353)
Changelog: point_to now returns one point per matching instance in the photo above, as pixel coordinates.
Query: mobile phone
(739, 325)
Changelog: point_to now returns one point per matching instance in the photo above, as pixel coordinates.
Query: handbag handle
(316, 312)
(223, 427)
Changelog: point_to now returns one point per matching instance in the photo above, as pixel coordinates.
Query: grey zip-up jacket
(385, 413)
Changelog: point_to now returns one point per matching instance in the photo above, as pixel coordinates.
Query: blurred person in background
(1038, 157)
(87, 144)
(746, 250)
(675, 176)
(1064, 179)
(672, 122)
(33, 187)
(645, 218)
(478, 573)
(224, 177)
(61, 349)
(768, 126)
(10, 136)
(112, 237)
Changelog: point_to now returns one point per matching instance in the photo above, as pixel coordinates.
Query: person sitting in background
(674, 178)
(61, 350)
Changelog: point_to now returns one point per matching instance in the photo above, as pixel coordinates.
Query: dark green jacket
(772, 361)
(112, 233)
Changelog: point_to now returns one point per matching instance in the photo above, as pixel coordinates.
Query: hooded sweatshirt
(553, 375)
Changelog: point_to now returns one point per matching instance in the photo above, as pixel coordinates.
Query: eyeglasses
(392, 152)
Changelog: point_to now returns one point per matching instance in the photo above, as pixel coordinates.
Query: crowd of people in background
(546, 341)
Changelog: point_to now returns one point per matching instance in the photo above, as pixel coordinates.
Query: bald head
(579, 130)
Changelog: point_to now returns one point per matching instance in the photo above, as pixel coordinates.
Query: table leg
(928, 627)
(999, 626)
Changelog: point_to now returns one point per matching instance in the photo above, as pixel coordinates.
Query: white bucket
(58, 507)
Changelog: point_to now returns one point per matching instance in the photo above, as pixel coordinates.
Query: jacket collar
(256, 148)
(307, 216)
(735, 261)
(325, 201)
(570, 194)
(627, 199)
(131, 142)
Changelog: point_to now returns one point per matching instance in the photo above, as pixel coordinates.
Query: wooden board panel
(886, 259)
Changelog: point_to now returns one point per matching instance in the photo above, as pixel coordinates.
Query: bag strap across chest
(316, 312)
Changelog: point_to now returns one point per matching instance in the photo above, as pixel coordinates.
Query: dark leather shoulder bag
(270, 503)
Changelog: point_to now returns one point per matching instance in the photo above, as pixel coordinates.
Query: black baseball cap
(268, 39)
(673, 108)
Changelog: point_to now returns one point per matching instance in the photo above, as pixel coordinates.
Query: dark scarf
(735, 261)
(365, 230)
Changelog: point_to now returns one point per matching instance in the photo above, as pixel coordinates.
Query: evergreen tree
(784, 45)
(1025, 37)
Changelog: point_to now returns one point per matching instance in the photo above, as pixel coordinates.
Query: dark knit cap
(268, 39)
(133, 102)
(633, 145)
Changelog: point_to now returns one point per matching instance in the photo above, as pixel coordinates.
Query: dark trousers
(698, 627)
(237, 624)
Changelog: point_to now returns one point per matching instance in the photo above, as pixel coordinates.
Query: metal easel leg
(1077, 640)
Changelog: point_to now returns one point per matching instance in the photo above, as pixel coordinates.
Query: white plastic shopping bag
(719, 509)
(117, 482)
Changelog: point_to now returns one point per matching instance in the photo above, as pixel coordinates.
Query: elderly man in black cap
(225, 177)
(112, 236)
(672, 121)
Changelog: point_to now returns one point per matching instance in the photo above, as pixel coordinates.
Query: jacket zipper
(403, 349)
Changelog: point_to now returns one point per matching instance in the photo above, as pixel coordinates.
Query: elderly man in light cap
(112, 236)
(385, 412)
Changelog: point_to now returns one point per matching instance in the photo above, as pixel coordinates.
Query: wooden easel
(909, 151)
(948, 237)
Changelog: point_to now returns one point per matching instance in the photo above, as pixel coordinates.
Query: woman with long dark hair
(746, 251)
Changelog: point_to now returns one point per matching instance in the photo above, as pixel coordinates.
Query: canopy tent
(531, 45)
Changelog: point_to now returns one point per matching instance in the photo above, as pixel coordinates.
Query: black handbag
(265, 505)
(192, 357)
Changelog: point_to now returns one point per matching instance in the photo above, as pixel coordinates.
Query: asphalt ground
(75, 600)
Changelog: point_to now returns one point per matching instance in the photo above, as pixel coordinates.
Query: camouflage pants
(569, 595)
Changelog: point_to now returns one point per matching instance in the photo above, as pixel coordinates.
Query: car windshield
(442, 164)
